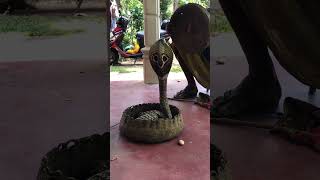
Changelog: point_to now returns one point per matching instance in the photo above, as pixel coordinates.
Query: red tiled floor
(165, 161)
(254, 154)
(44, 103)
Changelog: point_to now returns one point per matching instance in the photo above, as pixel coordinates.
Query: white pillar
(151, 35)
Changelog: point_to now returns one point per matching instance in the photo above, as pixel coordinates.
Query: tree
(133, 9)
(204, 3)
(164, 9)
(175, 5)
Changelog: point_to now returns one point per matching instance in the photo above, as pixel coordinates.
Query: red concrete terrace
(165, 161)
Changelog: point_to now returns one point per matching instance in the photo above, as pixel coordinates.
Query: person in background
(114, 12)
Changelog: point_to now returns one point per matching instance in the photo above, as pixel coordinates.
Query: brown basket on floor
(81, 159)
(150, 131)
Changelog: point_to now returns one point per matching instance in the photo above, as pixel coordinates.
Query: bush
(165, 10)
(204, 3)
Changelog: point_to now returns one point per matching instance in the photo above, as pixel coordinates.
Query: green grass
(131, 69)
(39, 26)
(125, 69)
(176, 69)
(94, 18)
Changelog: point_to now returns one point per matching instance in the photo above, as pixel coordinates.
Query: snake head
(161, 57)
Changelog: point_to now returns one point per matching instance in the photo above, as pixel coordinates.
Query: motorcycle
(115, 44)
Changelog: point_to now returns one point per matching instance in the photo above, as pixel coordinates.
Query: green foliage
(176, 69)
(132, 9)
(219, 24)
(165, 10)
(218, 21)
(204, 3)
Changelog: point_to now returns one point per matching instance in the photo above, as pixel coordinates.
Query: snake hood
(161, 57)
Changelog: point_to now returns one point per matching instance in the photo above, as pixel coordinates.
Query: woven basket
(152, 131)
(80, 159)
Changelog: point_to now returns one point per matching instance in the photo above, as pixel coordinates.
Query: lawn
(126, 69)
(138, 68)
(38, 26)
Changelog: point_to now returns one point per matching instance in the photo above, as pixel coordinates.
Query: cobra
(161, 57)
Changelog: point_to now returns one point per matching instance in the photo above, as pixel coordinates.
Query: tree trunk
(175, 5)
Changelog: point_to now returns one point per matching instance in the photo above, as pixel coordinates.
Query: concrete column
(151, 35)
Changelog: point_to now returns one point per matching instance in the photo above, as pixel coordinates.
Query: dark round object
(150, 131)
(82, 159)
(189, 28)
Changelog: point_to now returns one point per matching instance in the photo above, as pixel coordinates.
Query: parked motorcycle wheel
(113, 57)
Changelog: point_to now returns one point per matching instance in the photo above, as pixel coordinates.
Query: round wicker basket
(150, 131)
(79, 159)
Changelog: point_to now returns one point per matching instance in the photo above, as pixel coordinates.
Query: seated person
(191, 47)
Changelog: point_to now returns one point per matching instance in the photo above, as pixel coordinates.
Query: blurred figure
(114, 12)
